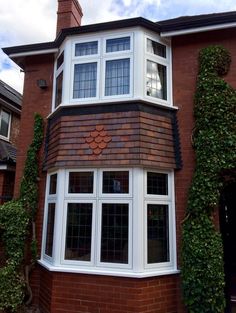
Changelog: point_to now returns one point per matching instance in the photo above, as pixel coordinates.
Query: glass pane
(58, 96)
(85, 80)
(4, 123)
(157, 183)
(156, 80)
(80, 182)
(86, 48)
(50, 229)
(115, 232)
(118, 44)
(60, 60)
(117, 79)
(156, 48)
(115, 182)
(79, 231)
(157, 233)
(53, 184)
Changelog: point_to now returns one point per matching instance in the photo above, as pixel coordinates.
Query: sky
(31, 21)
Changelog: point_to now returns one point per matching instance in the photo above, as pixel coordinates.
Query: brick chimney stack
(69, 14)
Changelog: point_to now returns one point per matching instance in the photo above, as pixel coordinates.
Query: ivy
(16, 216)
(214, 141)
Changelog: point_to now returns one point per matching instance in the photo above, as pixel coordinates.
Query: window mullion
(137, 220)
(60, 217)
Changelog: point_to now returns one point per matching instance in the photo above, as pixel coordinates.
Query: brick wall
(69, 14)
(77, 293)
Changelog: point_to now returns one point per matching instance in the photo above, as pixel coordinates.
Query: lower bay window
(110, 221)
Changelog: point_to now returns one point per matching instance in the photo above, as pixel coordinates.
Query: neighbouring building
(117, 162)
(10, 111)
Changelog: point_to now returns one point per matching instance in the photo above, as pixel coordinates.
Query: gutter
(197, 30)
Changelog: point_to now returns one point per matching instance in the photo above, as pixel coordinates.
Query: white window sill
(107, 272)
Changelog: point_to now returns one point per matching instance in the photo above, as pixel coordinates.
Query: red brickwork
(69, 14)
(132, 138)
(77, 293)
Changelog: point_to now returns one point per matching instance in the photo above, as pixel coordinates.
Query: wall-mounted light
(41, 83)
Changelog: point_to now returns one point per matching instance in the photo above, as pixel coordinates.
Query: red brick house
(117, 99)
(10, 110)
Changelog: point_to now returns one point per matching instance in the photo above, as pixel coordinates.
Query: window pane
(79, 232)
(157, 233)
(115, 232)
(85, 80)
(156, 80)
(86, 48)
(156, 48)
(53, 184)
(58, 96)
(80, 182)
(50, 229)
(118, 44)
(4, 123)
(115, 182)
(157, 183)
(117, 79)
(60, 60)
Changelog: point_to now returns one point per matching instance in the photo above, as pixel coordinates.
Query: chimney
(69, 14)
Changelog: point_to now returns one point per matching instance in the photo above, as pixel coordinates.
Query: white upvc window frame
(115, 195)
(162, 61)
(118, 36)
(118, 55)
(130, 231)
(9, 124)
(81, 195)
(63, 242)
(100, 58)
(85, 59)
(50, 198)
(167, 200)
(137, 200)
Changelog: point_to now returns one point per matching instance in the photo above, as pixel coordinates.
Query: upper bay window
(5, 119)
(104, 67)
(117, 221)
(101, 68)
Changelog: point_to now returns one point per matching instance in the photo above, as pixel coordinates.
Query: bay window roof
(165, 28)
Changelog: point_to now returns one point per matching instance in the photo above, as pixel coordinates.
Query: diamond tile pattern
(98, 139)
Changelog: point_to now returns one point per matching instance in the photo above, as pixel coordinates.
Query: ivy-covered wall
(214, 141)
(17, 232)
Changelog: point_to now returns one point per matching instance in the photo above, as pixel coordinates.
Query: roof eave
(186, 31)
(52, 47)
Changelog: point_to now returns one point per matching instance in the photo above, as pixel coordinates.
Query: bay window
(113, 66)
(98, 210)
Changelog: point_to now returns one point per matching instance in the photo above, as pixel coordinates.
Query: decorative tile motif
(98, 139)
